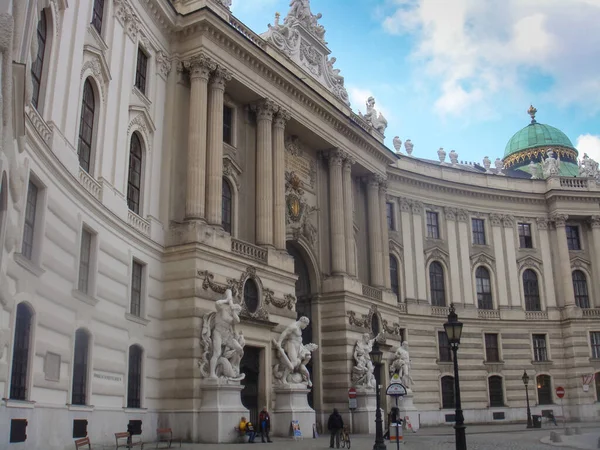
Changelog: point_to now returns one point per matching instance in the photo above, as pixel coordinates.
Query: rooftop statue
(293, 355)
(588, 167)
(376, 120)
(300, 14)
(550, 165)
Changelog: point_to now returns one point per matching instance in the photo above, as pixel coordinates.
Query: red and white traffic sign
(560, 392)
(352, 393)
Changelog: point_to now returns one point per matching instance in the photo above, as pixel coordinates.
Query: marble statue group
(293, 355)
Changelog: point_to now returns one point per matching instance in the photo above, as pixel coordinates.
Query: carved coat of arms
(298, 210)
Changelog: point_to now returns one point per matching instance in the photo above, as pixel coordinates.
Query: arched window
(20, 357)
(80, 367)
(448, 392)
(544, 389)
(484, 288)
(532, 291)
(226, 206)
(436, 283)
(134, 377)
(38, 65)
(98, 15)
(86, 126)
(582, 298)
(134, 180)
(251, 295)
(394, 276)
(496, 391)
(375, 326)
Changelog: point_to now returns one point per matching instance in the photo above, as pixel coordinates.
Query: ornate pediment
(578, 262)
(483, 258)
(397, 248)
(529, 262)
(302, 39)
(95, 65)
(437, 253)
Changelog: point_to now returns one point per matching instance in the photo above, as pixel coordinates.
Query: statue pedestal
(220, 411)
(407, 408)
(363, 418)
(291, 403)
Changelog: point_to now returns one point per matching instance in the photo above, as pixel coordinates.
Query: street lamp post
(525, 379)
(454, 330)
(376, 356)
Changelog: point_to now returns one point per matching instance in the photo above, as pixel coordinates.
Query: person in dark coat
(264, 422)
(335, 425)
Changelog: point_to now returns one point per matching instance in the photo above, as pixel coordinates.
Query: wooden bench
(166, 435)
(119, 437)
(81, 443)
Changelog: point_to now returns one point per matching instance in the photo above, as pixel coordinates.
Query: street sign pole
(560, 393)
(396, 390)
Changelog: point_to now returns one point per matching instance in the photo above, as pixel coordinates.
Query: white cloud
(478, 50)
(590, 144)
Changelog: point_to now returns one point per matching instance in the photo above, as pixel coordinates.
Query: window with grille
(20, 357)
(251, 295)
(492, 350)
(478, 226)
(539, 347)
(544, 389)
(573, 241)
(85, 260)
(86, 126)
(444, 347)
(134, 180)
(496, 391)
(595, 344)
(436, 284)
(484, 288)
(448, 392)
(433, 228)
(141, 71)
(389, 210)
(38, 65)
(29, 226)
(227, 124)
(136, 288)
(532, 291)
(582, 298)
(97, 15)
(226, 206)
(80, 368)
(394, 282)
(134, 377)
(525, 240)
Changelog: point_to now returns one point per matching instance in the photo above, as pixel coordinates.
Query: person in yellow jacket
(247, 428)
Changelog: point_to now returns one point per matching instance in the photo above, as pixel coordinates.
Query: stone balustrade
(488, 314)
(249, 250)
(536, 315)
(90, 185)
(591, 312)
(371, 292)
(573, 183)
(439, 311)
(139, 223)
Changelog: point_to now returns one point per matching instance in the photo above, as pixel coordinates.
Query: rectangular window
(141, 71)
(136, 289)
(573, 241)
(445, 351)
(433, 228)
(389, 210)
(29, 228)
(539, 347)
(492, 352)
(595, 342)
(478, 231)
(227, 124)
(525, 235)
(97, 15)
(85, 259)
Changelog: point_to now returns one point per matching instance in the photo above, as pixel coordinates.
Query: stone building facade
(155, 152)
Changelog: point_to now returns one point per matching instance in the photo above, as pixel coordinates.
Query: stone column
(549, 292)
(349, 217)
(496, 222)
(279, 178)
(595, 225)
(454, 275)
(566, 277)
(465, 257)
(385, 239)
(264, 172)
(214, 160)
(200, 67)
(374, 217)
(514, 282)
(407, 244)
(336, 208)
(419, 239)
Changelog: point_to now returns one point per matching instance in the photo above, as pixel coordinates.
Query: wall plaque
(107, 377)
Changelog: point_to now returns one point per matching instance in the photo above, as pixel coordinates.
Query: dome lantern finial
(532, 112)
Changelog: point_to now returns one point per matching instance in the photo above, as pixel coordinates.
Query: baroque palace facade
(156, 152)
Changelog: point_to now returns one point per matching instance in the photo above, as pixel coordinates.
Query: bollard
(555, 437)
(569, 431)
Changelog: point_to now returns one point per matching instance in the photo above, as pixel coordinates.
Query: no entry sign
(352, 393)
(560, 392)
(352, 401)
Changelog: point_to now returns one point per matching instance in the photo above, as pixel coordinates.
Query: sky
(461, 74)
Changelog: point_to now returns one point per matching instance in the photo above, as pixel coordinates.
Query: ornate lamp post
(453, 330)
(525, 379)
(376, 356)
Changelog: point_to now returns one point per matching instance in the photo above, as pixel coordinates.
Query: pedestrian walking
(264, 422)
(335, 424)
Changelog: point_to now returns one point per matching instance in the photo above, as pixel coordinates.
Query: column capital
(199, 66)
(417, 207)
(508, 221)
(349, 161)
(281, 118)
(450, 213)
(542, 223)
(495, 220)
(560, 220)
(335, 156)
(219, 78)
(594, 221)
(390, 198)
(462, 215)
(383, 185)
(265, 109)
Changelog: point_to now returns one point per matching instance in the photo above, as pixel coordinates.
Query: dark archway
(250, 365)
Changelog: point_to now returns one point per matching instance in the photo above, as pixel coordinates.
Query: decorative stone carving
(441, 155)
(417, 207)
(363, 370)
(400, 365)
(408, 145)
(299, 160)
(293, 355)
(595, 222)
(550, 165)
(533, 170)
(394, 329)
(404, 204)
(579, 263)
(495, 220)
(363, 322)
(542, 223)
(450, 213)
(163, 63)
(222, 346)
(482, 258)
(487, 163)
(508, 221)
(199, 66)
(397, 144)
(588, 167)
(560, 220)
(289, 301)
(453, 157)
(397, 248)
(529, 262)
(373, 118)
(226, 3)
(265, 109)
(298, 211)
(462, 215)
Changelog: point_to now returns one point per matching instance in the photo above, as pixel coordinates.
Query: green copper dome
(536, 135)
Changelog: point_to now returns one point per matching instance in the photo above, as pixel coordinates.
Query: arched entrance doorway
(250, 365)
(303, 301)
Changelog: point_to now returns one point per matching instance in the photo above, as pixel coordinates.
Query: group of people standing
(264, 427)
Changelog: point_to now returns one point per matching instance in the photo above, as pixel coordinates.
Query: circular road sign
(352, 393)
(560, 392)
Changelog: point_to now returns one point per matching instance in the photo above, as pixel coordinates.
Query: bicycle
(345, 438)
